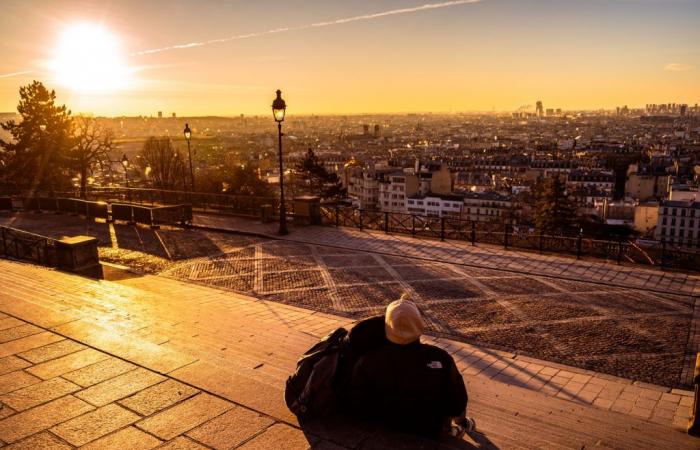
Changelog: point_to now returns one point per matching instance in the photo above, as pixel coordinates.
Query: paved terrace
(149, 361)
(645, 333)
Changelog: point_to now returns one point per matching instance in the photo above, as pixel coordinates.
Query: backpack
(309, 390)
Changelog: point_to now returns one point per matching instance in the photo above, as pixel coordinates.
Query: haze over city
(337, 57)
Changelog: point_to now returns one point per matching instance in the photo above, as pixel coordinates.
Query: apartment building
(679, 222)
(435, 205)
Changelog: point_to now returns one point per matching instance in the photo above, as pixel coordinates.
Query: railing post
(663, 252)
(337, 216)
(442, 228)
(473, 233)
(4, 242)
(619, 251)
(541, 242)
(361, 217)
(413, 225)
(578, 245)
(505, 237)
(386, 222)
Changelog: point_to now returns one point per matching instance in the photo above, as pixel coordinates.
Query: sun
(88, 58)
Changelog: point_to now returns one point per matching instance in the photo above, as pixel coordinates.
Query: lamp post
(279, 108)
(188, 134)
(125, 164)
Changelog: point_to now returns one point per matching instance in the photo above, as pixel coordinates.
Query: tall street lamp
(279, 107)
(125, 164)
(188, 134)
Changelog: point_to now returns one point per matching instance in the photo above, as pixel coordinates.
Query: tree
(92, 147)
(317, 178)
(163, 163)
(554, 210)
(243, 179)
(36, 157)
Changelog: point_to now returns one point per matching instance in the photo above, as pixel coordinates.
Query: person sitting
(389, 376)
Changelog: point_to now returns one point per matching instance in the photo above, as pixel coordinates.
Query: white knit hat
(403, 323)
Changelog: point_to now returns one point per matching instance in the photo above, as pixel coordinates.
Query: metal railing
(662, 253)
(25, 246)
(683, 255)
(244, 205)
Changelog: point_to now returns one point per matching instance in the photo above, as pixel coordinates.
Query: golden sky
(214, 57)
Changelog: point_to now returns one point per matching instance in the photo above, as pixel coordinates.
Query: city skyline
(217, 58)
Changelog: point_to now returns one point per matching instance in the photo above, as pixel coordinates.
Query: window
(663, 231)
(663, 221)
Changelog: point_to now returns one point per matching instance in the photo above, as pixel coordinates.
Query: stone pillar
(307, 210)
(78, 254)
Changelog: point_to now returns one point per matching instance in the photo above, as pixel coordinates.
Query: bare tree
(92, 147)
(167, 167)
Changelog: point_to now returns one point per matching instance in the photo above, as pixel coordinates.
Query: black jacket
(414, 387)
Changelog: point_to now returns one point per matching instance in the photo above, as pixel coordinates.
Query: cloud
(677, 67)
(393, 12)
(15, 74)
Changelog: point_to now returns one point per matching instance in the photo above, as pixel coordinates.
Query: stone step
(111, 317)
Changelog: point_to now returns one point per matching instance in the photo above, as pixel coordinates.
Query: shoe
(467, 423)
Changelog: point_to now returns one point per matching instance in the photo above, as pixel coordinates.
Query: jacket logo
(435, 365)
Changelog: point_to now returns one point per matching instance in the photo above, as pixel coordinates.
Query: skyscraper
(539, 109)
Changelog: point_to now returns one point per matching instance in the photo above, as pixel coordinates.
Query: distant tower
(365, 128)
(539, 109)
(377, 130)
(174, 115)
(160, 114)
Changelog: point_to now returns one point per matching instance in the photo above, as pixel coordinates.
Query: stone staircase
(242, 349)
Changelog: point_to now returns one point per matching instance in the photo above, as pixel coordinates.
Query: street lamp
(188, 134)
(125, 164)
(279, 107)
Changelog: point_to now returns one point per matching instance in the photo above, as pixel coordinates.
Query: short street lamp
(279, 107)
(125, 164)
(188, 134)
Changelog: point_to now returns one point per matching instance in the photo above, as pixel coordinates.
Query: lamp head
(279, 107)
(125, 161)
(187, 132)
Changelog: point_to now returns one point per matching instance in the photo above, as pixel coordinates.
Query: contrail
(393, 12)
(14, 74)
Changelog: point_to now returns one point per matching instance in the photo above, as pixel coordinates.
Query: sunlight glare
(88, 58)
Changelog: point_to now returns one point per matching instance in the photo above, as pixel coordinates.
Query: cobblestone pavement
(604, 326)
(149, 345)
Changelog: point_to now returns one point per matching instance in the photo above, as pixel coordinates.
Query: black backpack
(309, 390)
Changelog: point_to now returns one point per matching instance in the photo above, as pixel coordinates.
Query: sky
(227, 57)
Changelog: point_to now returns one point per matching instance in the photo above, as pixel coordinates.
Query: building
(394, 188)
(435, 205)
(488, 207)
(645, 217)
(600, 180)
(539, 109)
(678, 222)
(646, 182)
